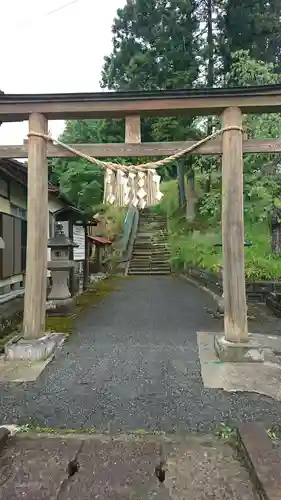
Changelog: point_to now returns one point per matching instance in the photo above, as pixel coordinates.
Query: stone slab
(238, 352)
(121, 467)
(262, 459)
(35, 467)
(262, 378)
(33, 350)
(21, 371)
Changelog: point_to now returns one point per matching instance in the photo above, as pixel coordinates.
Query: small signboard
(79, 239)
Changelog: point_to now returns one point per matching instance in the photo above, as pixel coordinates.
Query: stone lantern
(60, 300)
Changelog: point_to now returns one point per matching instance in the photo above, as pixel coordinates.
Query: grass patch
(229, 434)
(274, 433)
(112, 220)
(50, 430)
(33, 428)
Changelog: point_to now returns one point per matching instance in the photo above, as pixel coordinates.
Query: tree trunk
(180, 180)
(190, 192)
(210, 80)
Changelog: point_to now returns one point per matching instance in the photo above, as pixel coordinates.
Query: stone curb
(216, 298)
(261, 458)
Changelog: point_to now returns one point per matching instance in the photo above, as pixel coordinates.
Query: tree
(262, 175)
(252, 25)
(80, 180)
(155, 47)
(262, 172)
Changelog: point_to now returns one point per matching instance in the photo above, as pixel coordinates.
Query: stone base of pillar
(33, 350)
(238, 352)
(61, 307)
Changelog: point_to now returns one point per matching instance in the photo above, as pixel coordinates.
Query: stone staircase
(150, 252)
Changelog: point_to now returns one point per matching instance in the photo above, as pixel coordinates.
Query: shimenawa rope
(142, 166)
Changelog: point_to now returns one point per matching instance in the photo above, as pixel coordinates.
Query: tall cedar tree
(252, 25)
(156, 47)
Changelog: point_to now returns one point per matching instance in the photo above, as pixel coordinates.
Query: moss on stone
(62, 324)
(93, 296)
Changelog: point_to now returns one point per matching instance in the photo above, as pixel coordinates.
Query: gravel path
(134, 362)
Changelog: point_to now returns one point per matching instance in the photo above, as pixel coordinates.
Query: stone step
(153, 227)
(152, 245)
(155, 258)
(137, 272)
(152, 230)
(150, 242)
(153, 216)
(147, 220)
(152, 221)
(152, 234)
(160, 258)
(153, 237)
(163, 263)
(149, 263)
(152, 224)
(153, 268)
(150, 251)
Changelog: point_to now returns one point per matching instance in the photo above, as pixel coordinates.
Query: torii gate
(229, 103)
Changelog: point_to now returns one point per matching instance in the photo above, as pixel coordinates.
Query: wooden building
(13, 228)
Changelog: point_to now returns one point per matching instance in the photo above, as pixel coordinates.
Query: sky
(48, 46)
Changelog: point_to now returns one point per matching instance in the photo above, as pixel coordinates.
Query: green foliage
(252, 25)
(228, 433)
(210, 205)
(194, 244)
(153, 46)
(274, 433)
(79, 180)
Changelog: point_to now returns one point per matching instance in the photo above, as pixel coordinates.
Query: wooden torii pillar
(235, 306)
(37, 231)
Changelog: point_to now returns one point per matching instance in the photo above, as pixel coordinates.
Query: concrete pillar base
(61, 307)
(238, 352)
(33, 350)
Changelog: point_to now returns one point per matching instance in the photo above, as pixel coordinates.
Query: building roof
(100, 240)
(18, 171)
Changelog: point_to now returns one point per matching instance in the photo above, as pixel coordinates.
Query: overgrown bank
(192, 203)
(193, 243)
